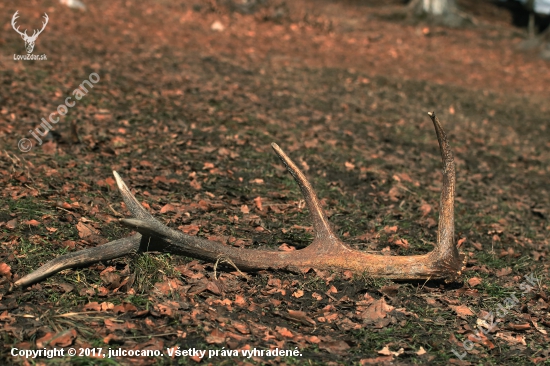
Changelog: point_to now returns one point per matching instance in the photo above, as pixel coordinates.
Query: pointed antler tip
(431, 114)
(119, 181)
(280, 153)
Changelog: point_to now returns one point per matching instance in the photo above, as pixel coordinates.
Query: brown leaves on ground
(462, 311)
(5, 270)
(376, 312)
(503, 272)
(301, 317)
(193, 140)
(84, 230)
(62, 339)
(335, 347)
(474, 281)
(386, 352)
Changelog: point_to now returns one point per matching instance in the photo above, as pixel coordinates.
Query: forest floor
(190, 97)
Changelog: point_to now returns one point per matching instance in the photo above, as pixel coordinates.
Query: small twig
(77, 313)
(118, 214)
(154, 335)
(424, 284)
(222, 259)
(63, 209)
(13, 161)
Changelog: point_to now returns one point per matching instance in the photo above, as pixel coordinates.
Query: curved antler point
(120, 183)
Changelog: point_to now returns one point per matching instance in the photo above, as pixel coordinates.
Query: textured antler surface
(325, 252)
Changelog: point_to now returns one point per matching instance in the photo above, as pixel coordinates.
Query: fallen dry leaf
(241, 327)
(44, 340)
(300, 316)
(425, 209)
(284, 332)
(258, 203)
(84, 230)
(313, 339)
(481, 338)
(387, 352)
(377, 310)
(92, 306)
(215, 337)
(5, 270)
(461, 310)
(12, 224)
(474, 281)
(335, 347)
(503, 272)
(390, 291)
(390, 229)
(376, 361)
(523, 326)
(64, 338)
(168, 208)
(286, 248)
(538, 327)
(316, 296)
(298, 293)
(510, 338)
(403, 243)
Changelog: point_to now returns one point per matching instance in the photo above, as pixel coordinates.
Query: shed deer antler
(325, 252)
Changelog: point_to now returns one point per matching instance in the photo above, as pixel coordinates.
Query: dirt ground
(189, 98)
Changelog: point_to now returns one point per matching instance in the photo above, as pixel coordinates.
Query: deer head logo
(29, 40)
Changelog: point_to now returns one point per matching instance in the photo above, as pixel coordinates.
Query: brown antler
(325, 252)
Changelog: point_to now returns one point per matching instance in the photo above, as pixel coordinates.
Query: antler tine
(133, 205)
(115, 249)
(111, 250)
(445, 231)
(317, 214)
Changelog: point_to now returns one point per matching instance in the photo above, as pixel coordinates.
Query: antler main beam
(325, 252)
